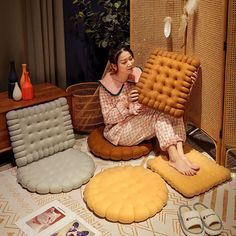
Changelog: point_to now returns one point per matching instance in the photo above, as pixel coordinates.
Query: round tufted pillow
(61, 172)
(166, 82)
(126, 194)
(101, 147)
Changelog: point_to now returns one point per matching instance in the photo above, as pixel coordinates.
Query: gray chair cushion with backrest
(42, 139)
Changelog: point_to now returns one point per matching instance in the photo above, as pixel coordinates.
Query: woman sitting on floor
(128, 123)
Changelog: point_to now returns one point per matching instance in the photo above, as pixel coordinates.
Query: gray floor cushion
(42, 138)
(61, 172)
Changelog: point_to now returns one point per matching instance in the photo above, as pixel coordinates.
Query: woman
(128, 123)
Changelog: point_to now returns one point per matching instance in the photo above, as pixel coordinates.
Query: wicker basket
(86, 109)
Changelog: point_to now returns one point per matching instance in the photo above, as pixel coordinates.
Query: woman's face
(125, 63)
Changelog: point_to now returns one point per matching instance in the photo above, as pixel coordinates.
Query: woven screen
(147, 21)
(229, 132)
(206, 34)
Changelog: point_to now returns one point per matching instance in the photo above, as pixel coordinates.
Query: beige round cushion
(126, 194)
(101, 147)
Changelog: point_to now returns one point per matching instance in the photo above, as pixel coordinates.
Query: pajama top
(123, 128)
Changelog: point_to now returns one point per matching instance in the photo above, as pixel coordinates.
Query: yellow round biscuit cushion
(126, 194)
(165, 83)
(101, 147)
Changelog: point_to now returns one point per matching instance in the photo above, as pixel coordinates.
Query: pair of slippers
(199, 220)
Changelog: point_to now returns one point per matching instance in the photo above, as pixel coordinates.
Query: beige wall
(12, 38)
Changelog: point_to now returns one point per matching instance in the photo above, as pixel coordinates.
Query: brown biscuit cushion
(102, 148)
(165, 83)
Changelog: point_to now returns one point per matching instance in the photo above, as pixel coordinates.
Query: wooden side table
(44, 92)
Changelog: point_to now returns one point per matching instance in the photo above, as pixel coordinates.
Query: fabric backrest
(39, 131)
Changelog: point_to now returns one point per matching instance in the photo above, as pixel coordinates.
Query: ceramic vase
(22, 78)
(27, 88)
(17, 94)
(12, 79)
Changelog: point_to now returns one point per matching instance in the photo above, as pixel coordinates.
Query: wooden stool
(102, 148)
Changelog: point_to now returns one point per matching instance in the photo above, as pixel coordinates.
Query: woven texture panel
(147, 27)
(230, 81)
(205, 39)
(206, 36)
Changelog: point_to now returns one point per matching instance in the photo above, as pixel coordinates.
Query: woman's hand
(133, 96)
(135, 108)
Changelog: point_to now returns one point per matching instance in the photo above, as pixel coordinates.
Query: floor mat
(16, 202)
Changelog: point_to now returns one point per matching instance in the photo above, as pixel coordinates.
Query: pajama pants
(168, 130)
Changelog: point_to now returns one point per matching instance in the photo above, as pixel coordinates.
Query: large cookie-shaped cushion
(126, 194)
(166, 82)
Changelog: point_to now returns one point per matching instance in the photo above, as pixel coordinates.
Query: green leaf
(81, 14)
(104, 44)
(117, 4)
(75, 1)
(106, 24)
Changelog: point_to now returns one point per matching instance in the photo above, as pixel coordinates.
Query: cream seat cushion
(61, 172)
(210, 174)
(126, 194)
(42, 139)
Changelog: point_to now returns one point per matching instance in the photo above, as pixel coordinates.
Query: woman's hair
(115, 53)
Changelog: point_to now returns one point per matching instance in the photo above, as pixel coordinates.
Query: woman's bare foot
(190, 164)
(181, 166)
(184, 158)
(178, 163)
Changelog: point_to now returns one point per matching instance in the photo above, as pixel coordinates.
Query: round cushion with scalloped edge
(101, 147)
(126, 194)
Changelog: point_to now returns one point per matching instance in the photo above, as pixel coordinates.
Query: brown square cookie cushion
(165, 83)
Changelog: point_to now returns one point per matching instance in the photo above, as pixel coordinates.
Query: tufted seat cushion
(126, 194)
(61, 172)
(103, 148)
(210, 174)
(166, 83)
(42, 139)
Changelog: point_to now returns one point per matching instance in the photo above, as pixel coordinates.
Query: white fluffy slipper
(190, 221)
(211, 221)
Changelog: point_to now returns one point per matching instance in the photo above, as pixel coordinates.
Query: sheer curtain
(45, 41)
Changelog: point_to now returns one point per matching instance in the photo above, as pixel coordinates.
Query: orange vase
(27, 88)
(22, 78)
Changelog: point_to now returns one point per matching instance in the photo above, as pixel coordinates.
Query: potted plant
(105, 22)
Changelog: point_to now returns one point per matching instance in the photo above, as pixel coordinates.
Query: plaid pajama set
(123, 128)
